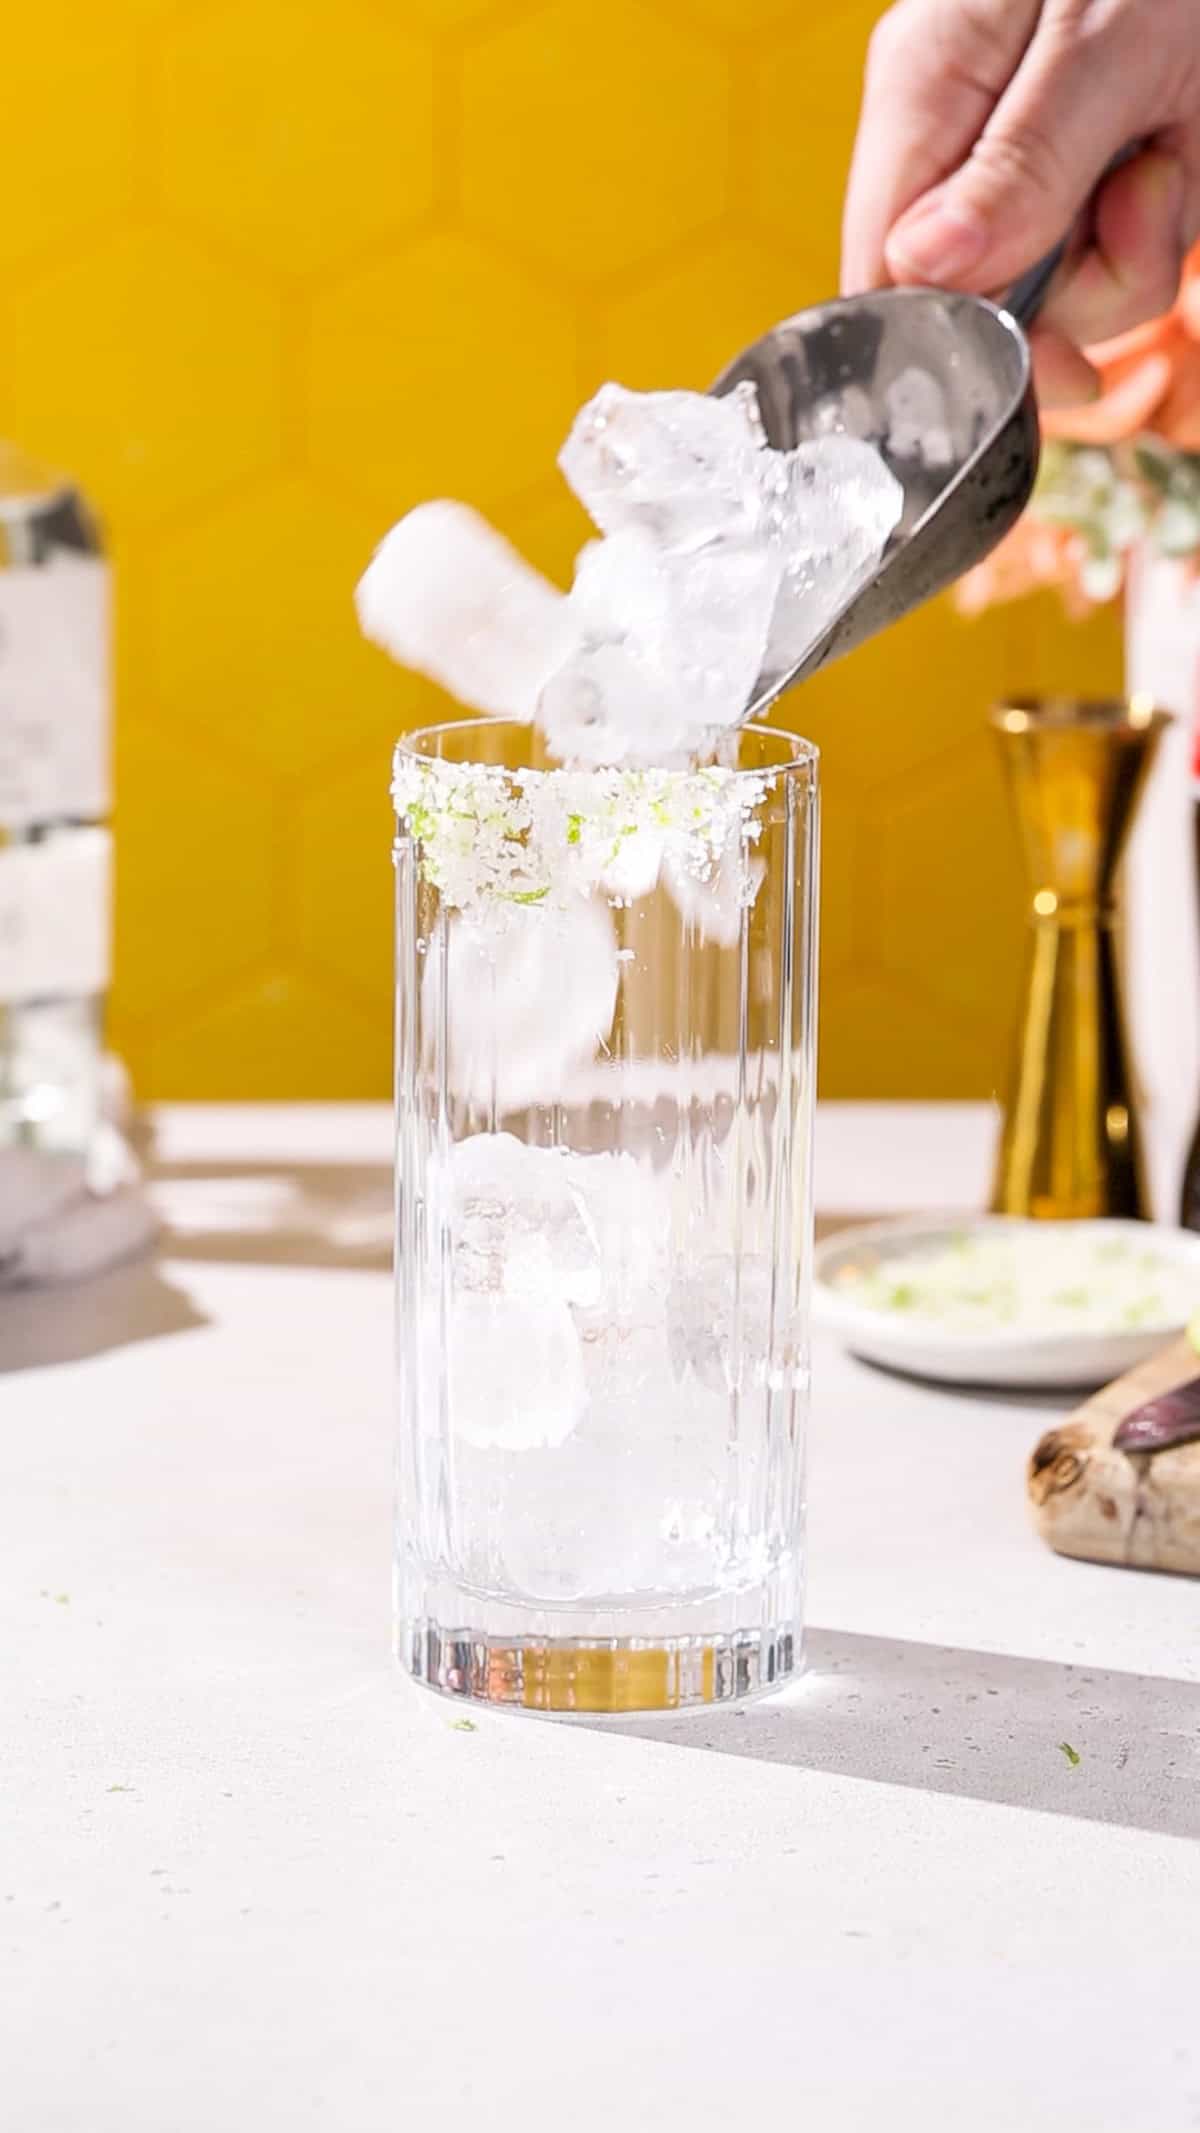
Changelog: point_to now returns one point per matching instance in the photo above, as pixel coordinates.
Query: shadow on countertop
(246, 1213)
(276, 1213)
(43, 1327)
(1081, 1741)
(292, 1213)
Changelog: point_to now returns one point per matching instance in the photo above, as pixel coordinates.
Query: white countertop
(252, 1880)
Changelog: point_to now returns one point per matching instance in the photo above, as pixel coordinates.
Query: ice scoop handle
(1028, 292)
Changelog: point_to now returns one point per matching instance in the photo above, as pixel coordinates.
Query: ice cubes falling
(720, 559)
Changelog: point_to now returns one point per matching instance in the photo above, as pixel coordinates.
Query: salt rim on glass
(493, 839)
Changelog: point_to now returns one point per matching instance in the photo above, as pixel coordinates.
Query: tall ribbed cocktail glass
(605, 1063)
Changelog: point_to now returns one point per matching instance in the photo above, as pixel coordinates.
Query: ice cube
(529, 997)
(917, 420)
(618, 697)
(515, 1372)
(670, 646)
(446, 594)
(520, 1223)
(732, 1327)
(604, 707)
(631, 1504)
(627, 1212)
(678, 465)
(622, 591)
(714, 895)
(634, 867)
(722, 604)
(744, 396)
(833, 505)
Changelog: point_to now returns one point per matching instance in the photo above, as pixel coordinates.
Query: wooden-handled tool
(1120, 1483)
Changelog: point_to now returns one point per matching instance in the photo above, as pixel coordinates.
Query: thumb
(1027, 179)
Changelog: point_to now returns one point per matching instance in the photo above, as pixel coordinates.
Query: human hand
(986, 128)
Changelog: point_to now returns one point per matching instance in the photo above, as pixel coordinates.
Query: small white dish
(1000, 1355)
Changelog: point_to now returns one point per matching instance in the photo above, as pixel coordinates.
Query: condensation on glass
(605, 1065)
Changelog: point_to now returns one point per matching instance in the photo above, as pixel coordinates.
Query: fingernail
(936, 242)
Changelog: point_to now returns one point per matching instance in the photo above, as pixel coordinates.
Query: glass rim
(802, 754)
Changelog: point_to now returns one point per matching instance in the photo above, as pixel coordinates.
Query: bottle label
(54, 690)
(55, 916)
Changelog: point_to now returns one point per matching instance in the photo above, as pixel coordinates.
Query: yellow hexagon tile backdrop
(274, 270)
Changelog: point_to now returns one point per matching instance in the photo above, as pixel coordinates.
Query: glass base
(600, 1675)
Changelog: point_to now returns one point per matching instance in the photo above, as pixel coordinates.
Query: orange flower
(1149, 380)
(1081, 537)
(1033, 555)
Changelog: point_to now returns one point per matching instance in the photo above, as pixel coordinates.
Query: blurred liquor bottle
(55, 846)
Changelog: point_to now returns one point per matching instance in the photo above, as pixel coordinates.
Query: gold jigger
(1071, 1145)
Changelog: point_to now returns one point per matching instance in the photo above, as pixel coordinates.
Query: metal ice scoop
(941, 385)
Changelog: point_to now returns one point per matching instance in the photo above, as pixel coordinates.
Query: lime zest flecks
(1048, 1278)
(490, 839)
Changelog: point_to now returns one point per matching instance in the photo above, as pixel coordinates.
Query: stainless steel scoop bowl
(837, 366)
(834, 368)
